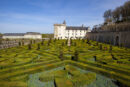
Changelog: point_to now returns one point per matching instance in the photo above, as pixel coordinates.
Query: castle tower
(64, 22)
(59, 30)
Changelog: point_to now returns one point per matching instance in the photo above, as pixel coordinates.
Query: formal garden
(54, 63)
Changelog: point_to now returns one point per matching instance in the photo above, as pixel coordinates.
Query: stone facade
(115, 38)
(61, 31)
(28, 35)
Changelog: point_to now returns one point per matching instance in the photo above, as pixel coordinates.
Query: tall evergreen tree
(76, 54)
(29, 46)
(61, 55)
(110, 48)
(100, 46)
(38, 46)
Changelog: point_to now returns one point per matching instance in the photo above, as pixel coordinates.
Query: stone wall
(14, 43)
(115, 38)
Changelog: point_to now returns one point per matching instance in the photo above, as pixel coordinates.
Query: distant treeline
(120, 14)
(0, 34)
(47, 35)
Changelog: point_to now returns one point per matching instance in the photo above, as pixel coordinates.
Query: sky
(20, 16)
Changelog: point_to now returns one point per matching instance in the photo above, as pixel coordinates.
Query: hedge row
(30, 65)
(31, 69)
(12, 84)
(107, 67)
(124, 79)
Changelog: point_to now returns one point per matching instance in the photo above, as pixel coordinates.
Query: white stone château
(61, 31)
(28, 35)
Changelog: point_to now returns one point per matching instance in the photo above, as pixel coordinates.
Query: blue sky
(39, 15)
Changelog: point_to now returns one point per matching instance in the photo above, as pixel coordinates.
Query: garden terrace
(22, 64)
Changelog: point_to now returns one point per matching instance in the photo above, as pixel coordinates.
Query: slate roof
(76, 28)
(33, 33)
(14, 34)
(21, 34)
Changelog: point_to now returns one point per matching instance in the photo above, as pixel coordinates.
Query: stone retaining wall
(115, 38)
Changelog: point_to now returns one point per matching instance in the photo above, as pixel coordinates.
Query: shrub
(13, 84)
(19, 43)
(38, 46)
(72, 70)
(113, 57)
(95, 58)
(83, 40)
(22, 43)
(110, 48)
(34, 41)
(61, 55)
(72, 57)
(83, 79)
(75, 44)
(29, 46)
(63, 82)
(49, 41)
(100, 46)
(45, 77)
(71, 41)
(54, 40)
(105, 48)
(60, 73)
(76, 55)
(62, 43)
(66, 42)
(20, 78)
(97, 44)
(42, 43)
(31, 41)
(88, 42)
